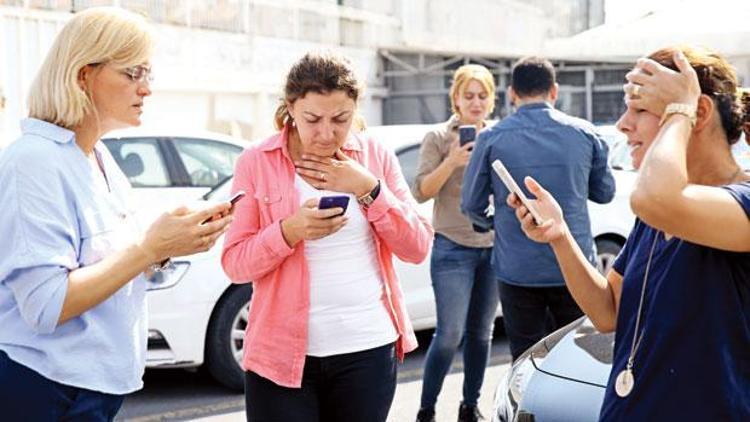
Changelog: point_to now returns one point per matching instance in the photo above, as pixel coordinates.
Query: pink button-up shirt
(255, 249)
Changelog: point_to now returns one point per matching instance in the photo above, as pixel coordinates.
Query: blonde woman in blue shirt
(72, 285)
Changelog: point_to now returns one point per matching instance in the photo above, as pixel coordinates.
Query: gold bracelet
(679, 108)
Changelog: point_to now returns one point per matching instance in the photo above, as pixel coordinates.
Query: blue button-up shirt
(58, 214)
(561, 152)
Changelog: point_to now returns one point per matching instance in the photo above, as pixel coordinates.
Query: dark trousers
(27, 396)
(530, 313)
(349, 387)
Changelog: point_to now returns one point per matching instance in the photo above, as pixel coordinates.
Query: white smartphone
(513, 187)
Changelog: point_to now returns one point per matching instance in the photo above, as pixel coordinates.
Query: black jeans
(26, 395)
(349, 387)
(530, 313)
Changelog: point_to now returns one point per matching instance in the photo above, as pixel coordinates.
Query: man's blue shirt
(566, 156)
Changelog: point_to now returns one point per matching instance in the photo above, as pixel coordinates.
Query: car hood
(582, 354)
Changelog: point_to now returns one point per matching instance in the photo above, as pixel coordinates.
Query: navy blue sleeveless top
(693, 363)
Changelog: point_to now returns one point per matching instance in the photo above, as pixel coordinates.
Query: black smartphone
(466, 134)
(233, 200)
(334, 201)
(236, 197)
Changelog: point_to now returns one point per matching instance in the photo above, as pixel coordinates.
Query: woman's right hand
(459, 155)
(310, 223)
(554, 226)
(185, 232)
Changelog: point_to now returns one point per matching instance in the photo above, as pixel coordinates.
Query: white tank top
(347, 309)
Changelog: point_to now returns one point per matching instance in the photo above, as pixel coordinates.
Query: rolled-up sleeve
(430, 158)
(38, 221)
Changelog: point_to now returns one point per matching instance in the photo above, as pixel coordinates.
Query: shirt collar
(534, 106)
(46, 130)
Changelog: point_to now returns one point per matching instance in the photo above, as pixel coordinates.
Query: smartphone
(233, 200)
(513, 187)
(334, 201)
(236, 197)
(466, 134)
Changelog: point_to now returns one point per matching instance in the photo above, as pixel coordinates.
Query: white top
(347, 310)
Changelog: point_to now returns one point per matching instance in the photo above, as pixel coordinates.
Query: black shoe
(426, 415)
(469, 413)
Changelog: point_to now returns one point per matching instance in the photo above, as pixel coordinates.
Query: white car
(196, 316)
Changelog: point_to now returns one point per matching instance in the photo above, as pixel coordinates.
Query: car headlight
(169, 277)
(513, 386)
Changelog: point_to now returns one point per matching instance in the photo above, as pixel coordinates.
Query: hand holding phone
(507, 179)
(334, 201)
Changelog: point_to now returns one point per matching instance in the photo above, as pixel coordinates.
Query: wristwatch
(679, 108)
(368, 198)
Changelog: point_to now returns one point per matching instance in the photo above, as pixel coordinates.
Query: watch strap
(679, 108)
(367, 199)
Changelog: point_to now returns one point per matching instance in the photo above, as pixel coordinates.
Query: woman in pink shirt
(327, 318)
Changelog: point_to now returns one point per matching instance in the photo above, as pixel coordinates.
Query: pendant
(624, 382)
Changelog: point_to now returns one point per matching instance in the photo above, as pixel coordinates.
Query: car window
(409, 158)
(207, 162)
(141, 161)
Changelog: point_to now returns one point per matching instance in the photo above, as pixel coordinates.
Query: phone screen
(466, 134)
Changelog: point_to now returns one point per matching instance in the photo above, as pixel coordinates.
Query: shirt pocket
(97, 233)
(270, 205)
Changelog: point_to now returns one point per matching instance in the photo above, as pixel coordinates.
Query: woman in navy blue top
(678, 296)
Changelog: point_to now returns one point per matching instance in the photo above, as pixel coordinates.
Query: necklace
(625, 380)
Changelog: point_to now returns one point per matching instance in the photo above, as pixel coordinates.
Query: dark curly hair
(321, 73)
(718, 80)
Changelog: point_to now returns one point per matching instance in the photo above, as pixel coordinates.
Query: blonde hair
(468, 73)
(94, 36)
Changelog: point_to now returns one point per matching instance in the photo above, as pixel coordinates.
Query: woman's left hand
(339, 173)
(652, 87)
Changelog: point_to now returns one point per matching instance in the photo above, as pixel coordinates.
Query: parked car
(196, 316)
(563, 377)
(168, 168)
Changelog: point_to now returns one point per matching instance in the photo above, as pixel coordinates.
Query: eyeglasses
(139, 73)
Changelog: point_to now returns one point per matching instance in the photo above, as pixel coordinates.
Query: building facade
(220, 64)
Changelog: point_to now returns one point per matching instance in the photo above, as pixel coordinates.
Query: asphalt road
(178, 395)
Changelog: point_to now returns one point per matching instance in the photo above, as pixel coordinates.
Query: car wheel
(606, 252)
(226, 336)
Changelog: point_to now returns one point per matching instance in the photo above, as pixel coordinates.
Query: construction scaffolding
(418, 83)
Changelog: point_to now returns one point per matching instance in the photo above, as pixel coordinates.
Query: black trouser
(349, 387)
(26, 395)
(527, 312)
